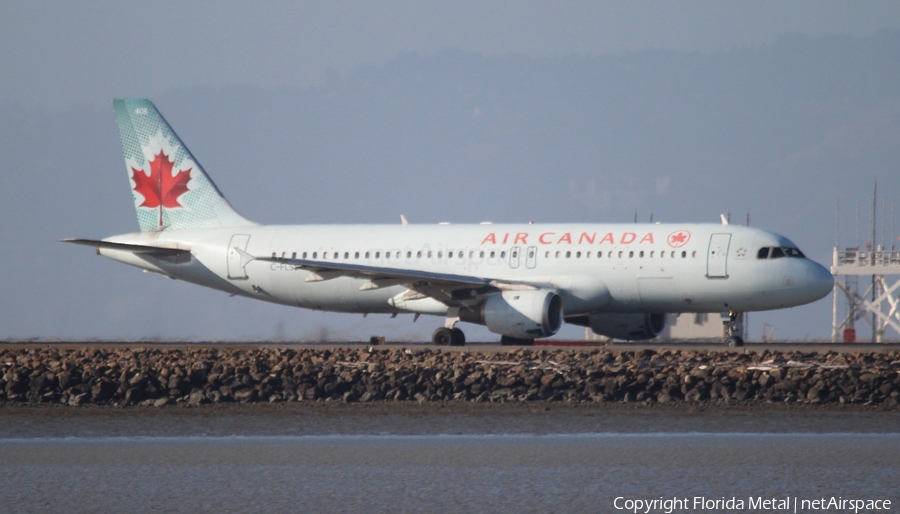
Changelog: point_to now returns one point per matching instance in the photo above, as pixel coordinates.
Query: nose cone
(819, 281)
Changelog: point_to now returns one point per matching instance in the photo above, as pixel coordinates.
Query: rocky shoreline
(161, 377)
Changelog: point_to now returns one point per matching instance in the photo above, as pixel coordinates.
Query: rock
(80, 399)
(814, 394)
(245, 395)
(196, 397)
(133, 395)
(102, 391)
(160, 402)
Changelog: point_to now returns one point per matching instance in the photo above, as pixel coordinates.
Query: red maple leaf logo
(161, 188)
(679, 238)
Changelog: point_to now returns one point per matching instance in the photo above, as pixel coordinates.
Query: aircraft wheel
(459, 338)
(442, 336)
(515, 341)
(734, 342)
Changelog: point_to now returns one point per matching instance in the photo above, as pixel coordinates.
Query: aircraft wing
(442, 286)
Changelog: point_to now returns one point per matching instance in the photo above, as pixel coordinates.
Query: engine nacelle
(519, 314)
(628, 326)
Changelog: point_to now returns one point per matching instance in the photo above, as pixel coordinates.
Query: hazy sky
(373, 156)
(56, 53)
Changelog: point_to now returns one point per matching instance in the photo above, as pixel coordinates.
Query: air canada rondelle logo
(679, 238)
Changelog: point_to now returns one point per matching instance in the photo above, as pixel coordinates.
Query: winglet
(403, 220)
(724, 219)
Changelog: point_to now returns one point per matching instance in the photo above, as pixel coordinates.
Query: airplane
(521, 281)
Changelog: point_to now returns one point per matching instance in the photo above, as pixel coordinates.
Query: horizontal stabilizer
(146, 250)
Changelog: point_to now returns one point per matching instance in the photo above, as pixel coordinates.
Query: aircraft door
(514, 257)
(531, 257)
(235, 270)
(717, 256)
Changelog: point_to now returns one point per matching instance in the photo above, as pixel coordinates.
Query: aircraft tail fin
(171, 190)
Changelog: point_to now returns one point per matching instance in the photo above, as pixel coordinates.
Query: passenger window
(651, 254)
(502, 255)
(346, 255)
(568, 254)
(557, 255)
(587, 255)
(577, 254)
(273, 255)
(304, 255)
(440, 254)
(673, 254)
(694, 254)
(630, 255)
(546, 255)
(641, 254)
(419, 254)
(620, 255)
(683, 254)
(294, 255)
(492, 254)
(356, 255)
(460, 254)
(367, 255)
(315, 254)
(481, 254)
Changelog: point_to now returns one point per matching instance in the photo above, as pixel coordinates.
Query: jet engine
(628, 326)
(519, 314)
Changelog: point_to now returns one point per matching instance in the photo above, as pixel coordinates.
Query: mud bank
(160, 377)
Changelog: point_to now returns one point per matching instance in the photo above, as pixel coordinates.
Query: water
(438, 473)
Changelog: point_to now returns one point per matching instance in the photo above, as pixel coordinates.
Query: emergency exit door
(531, 257)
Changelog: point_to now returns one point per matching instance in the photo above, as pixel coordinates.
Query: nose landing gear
(732, 326)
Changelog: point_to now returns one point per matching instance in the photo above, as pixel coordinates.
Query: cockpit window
(776, 252)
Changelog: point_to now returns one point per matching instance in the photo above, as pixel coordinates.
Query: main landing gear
(444, 336)
(732, 325)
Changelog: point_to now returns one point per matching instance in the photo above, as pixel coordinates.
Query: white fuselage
(595, 267)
